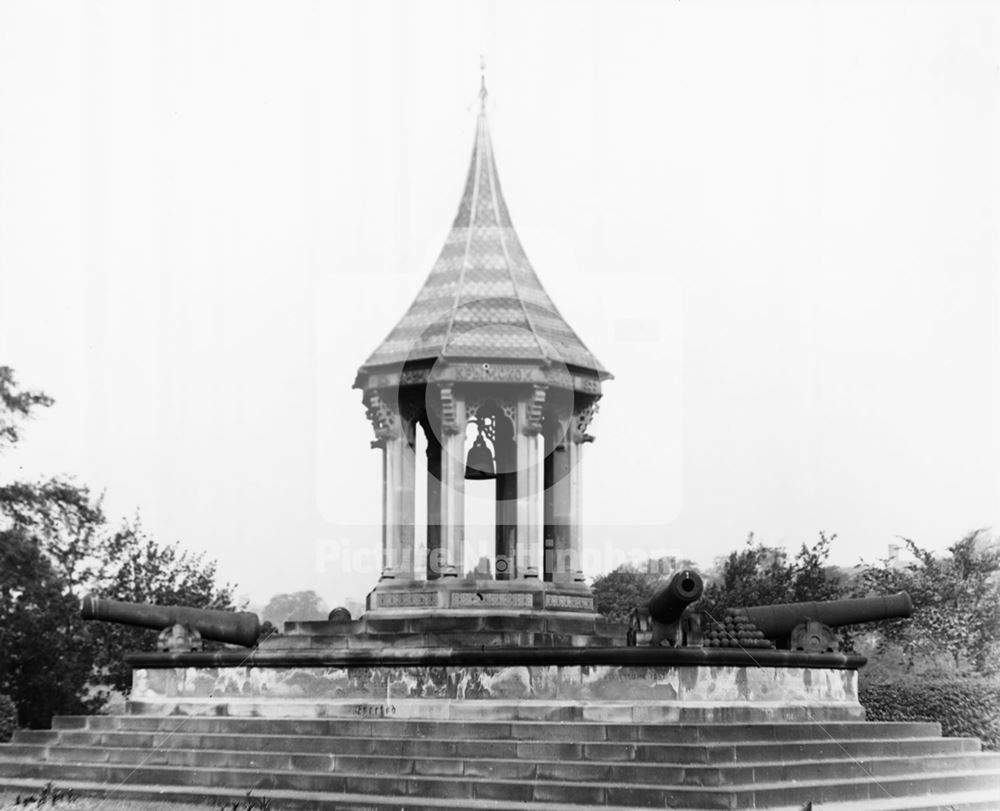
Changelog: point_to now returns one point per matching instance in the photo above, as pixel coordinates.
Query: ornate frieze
(495, 372)
(555, 375)
(475, 403)
(406, 599)
(569, 602)
(492, 599)
(588, 385)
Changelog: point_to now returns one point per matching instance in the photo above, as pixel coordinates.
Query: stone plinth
(600, 692)
(432, 628)
(495, 597)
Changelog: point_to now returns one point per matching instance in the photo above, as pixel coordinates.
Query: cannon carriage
(809, 627)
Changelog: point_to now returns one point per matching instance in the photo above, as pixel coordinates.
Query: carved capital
(449, 413)
(533, 412)
(385, 422)
(582, 418)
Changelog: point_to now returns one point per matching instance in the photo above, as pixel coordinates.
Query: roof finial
(482, 81)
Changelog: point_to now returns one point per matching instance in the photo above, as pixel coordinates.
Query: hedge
(8, 718)
(963, 707)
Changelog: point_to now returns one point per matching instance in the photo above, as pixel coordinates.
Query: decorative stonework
(510, 599)
(587, 384)
(581, 421)
(533, 422)
(495, 372)
(474, 403)
(449, 415)
(406, 600)
(569, 602)
(385, 422)
(781, 693)
(410, 407)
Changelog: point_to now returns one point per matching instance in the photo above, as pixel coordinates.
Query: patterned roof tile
(482, 299)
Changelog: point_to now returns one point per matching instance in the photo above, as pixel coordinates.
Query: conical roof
(482, 300)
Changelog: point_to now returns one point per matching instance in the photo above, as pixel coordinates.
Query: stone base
(433, 628)
(497, 597)
(595, 692)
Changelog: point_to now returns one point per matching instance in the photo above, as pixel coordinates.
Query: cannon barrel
(236, 627)
(778, 621)
(669, 602)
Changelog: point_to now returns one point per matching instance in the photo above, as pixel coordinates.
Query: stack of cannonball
(735, 631)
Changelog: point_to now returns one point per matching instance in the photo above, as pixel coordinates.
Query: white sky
(777, 224)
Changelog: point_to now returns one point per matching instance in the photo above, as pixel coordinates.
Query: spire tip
(482, 82)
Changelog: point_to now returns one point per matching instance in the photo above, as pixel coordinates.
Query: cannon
(181, 627)
(662, 619)
(811, 626)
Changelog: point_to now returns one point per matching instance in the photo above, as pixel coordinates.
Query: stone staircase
(499, 759)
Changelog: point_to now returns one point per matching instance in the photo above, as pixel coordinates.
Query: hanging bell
(479, 464)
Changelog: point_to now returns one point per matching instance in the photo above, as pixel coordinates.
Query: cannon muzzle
(235, 627)
(669, 602)
(778, 621)
(662, 620)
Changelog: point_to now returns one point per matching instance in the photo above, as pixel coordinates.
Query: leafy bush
(621, 590)
(8, 718)
(963, 707)
(763, 575)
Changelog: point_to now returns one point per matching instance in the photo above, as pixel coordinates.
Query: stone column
(561, 532)
(548, 510)
(528, 425)
(573, 544)
(434, 561)
(407, 502)
(505, 561)
(452, 501)
(570, 497)
(398, 474)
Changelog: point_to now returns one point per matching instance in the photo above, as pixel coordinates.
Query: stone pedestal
(615, 693)
(480, 596)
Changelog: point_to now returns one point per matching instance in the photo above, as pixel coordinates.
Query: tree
(763, 575)
(55, 546)
(139, 569)
(624, 588)
(955, 627)
(45, 654)
(300, 606)
(16, 406)
(64, 518)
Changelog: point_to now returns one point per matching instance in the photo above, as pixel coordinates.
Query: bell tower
(502, 388)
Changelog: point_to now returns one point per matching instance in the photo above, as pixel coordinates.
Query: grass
(52, 796)
(8, 800)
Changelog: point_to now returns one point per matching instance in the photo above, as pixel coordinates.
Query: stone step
(511, 768)
(864, 792)
(290, 799)
(487, 787)
(443, 709)
(503, 730)
(749, 752)
(954, 801)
